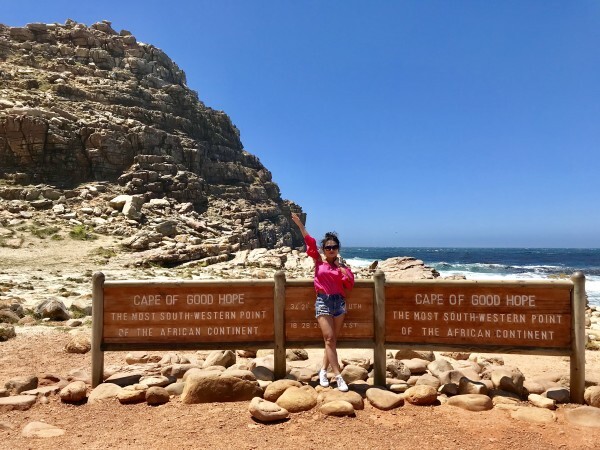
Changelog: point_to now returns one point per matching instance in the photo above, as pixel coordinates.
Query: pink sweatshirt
(328, 278)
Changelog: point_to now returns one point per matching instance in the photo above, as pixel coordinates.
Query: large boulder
(218, 388)
(104, 392)
(297, 399)
(275, 389)
(52, 309)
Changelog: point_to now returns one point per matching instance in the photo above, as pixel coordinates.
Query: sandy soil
(229, 425)
(39, 350)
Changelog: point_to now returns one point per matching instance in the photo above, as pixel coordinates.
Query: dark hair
(330, 236)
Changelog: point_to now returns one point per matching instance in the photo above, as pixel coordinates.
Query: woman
(332, 281)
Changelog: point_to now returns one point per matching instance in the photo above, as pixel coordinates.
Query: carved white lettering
(425, 315)
(468, 332)
(401, 315)
(453, 316)
(546, 318)
(199, 299)
(537, 335)
(429, 299)
(147, 300)
(197, 331)
(232, 331)
(521, 300)
(231, 299)
(485, 300)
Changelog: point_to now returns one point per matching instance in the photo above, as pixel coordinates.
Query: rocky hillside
(85, 107)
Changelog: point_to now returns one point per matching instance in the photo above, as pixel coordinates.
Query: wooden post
(97, 328)
(578, 338)
(379, 365)
(279, 325)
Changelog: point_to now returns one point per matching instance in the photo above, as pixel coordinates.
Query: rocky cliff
(83, 104)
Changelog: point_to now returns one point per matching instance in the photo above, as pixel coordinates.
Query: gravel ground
(229, 425)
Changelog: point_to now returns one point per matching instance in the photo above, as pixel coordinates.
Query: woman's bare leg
(331, 327)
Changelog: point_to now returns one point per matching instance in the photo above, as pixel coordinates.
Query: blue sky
(406, 123)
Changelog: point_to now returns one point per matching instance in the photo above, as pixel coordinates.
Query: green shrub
(43, 232)
(77, 314)
(82, 233)
(106, 253)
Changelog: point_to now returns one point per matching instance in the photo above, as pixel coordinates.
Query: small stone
(384, 400)
(138, 357)
(79, 343)
(541, 401)
(267, 411)
(157, 395)
(354, 373)
(148, 382)
(20, 384)
(535, 415)
(175, 388)
(466, 386)
(43, 391)
(417, 366)
(428, 380)
(421, 395)
(337, 408)
(471, 402)
(41, 430)
(102, 392)
(354, 398)
(439, 366)
(17, 402)
(296, 354)
(223, 358)
(558, 394)
(129, 395)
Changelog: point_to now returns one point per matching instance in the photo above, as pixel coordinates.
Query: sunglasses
(331, 247)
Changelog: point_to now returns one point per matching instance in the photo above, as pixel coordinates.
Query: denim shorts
(330, 305)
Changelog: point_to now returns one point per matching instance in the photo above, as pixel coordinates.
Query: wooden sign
(187, 312)
(301, 324)
(534, 315)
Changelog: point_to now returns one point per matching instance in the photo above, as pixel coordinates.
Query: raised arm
(299, 223)
(311, 244)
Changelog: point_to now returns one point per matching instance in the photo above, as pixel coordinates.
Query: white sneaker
(323, 381)
(341, 384)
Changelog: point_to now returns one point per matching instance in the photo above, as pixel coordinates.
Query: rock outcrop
(83, 104)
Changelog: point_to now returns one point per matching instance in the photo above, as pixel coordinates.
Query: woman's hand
(296, 219)
(299, 224)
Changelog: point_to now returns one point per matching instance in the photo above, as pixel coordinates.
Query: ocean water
(495, 263)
